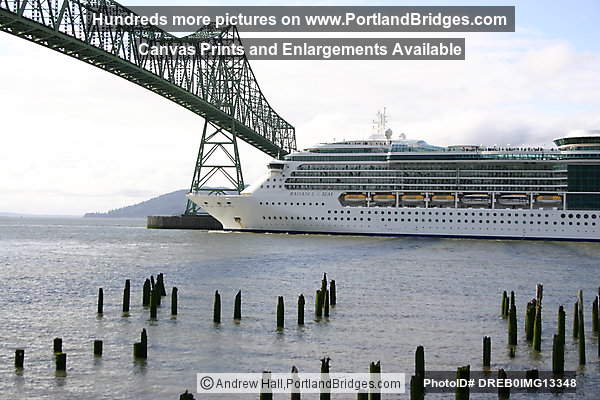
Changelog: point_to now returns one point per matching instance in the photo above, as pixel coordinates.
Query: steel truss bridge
(222, 90)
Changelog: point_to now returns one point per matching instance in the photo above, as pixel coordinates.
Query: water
(393, 295)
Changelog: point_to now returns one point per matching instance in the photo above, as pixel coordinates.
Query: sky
(76, 139)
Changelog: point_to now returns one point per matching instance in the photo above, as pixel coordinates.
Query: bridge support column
(218, 168)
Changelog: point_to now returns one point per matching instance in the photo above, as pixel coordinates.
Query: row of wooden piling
(152, 293)
(60, 356)
(533, 326)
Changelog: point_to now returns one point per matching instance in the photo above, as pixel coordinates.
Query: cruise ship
(383, 186)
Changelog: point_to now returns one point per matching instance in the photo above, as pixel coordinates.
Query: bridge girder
(223, 90)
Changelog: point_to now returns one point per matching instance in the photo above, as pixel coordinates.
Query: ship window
(328, 218)
(335, 212)
(335, 218)
(578, 216)
(361, 219)
(554, 223)
(264, 217)
(368, 219)
(368, 212)
(348, 211)
(260, 203)
(401, 219)
(409, 220)
(570, 215)
(585, 216)
(593, 216)
(562, 223)
(355, 218)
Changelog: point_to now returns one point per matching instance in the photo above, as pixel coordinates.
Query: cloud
(78, 139)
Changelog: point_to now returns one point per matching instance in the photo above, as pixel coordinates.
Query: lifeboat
(442, 198)
(413, 198)
(513, 199)
(476, 199)
(355, 197)
(384, 198)
(548, 199)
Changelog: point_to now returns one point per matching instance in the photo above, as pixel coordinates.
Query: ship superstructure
(382, 186)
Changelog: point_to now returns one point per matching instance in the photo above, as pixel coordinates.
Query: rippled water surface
(393, 295)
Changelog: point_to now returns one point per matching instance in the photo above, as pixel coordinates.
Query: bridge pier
(199, 221)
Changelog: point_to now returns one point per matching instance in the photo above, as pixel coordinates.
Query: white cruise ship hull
(321, 212)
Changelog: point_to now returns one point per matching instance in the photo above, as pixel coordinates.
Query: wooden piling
(530, 320)
(152, 283)
(154, 303)
(237, 306)
(140, 349)
(174, 301)
(558, 355)
(157, 293)
(57, 345)
(280, 313)
(561, 324)
(503, 391)
(487, 351)
(186, 396)
(265, 394)
(146, 293)
(323, 290)
(575, 320)
(504, 309)
(332, 293)
(512, 299)
(325, 393)
(19, 358)
(375, 376)
(61, 362)
(326, 304)
(416, 388)
(161, 284)
(98, 348)
(295, 393)
(512, 326)
(126, 295)
(217, 308)
(362, 395)
(100, 301)
(595, 316)
(301, 309)
(462, 393)
(318, 305)
(420, 362)
(537, 327)
(581, 329)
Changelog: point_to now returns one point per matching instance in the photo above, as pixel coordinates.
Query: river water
(393, 295)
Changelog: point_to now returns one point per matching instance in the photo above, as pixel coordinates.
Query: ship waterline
(408, 187)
